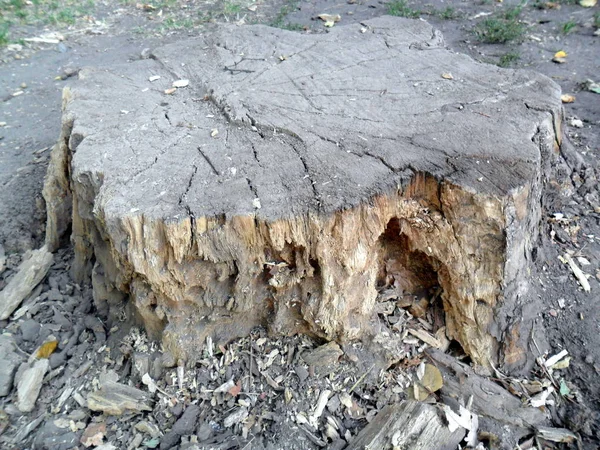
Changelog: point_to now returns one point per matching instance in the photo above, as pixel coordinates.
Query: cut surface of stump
(296, 176)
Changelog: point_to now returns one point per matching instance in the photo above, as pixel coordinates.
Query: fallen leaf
(330, 19)
(564, 389)
(252, 8)
(588, 3)
(432, 378)
(181, 83)
(235, 390)
(170, 90)
(145, 6)
(560, 54)
(152, 443)
(46, 349)
(225, 387)
(562, 364)
(447, 76)
(567, 98)
(429, 380)
(591, 85)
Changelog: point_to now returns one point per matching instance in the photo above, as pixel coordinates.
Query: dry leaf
(430, 380)
(567, 98)
(588, 3)
(562, 364)
(235, 390)
(145, 6)
(447, 76)
(252, 8)
(170, 90)
(46, 349)
(180, 83)
(330, 19)
(560, 54)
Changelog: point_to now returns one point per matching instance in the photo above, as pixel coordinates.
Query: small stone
(181, 83)
(154, 78)
(302, 373)
(575, 123)
(30, 329)
(93, 434)
(30, 384)
(77, 415)
(185, 425)
(116, 398)
(204, 432)
(170, 91)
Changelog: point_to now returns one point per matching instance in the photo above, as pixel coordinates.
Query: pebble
(184, 426)
(30, 329)
(28, 388)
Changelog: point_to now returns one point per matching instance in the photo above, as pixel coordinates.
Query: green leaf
(564, 389)
(152, 443)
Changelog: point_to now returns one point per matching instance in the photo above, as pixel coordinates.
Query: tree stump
(298, 175)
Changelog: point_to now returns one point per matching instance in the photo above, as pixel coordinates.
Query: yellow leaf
(588, 3)
(562, 364)
(432, 378)
(46, 349)
(567, 98)
(430, 382)
(560, 54)
(447, 76)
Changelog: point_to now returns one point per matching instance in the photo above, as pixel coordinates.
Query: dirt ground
(32, 74)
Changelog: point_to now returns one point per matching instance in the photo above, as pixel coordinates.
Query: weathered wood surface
(409, 424)
(499, 411)
(343, 162)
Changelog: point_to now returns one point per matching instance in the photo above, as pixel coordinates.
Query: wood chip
(578, 273)
(426, 337)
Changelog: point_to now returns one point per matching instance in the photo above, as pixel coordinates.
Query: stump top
(277, 124)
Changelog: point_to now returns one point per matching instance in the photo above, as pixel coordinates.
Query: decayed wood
(29, 274)
(496, 407)
(296, 174)
(409, 424)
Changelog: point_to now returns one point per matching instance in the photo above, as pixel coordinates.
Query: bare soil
(119, 31)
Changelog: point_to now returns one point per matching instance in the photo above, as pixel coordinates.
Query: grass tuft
(508, 59)
(568, 27)
(400, 8)
(501, 28)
